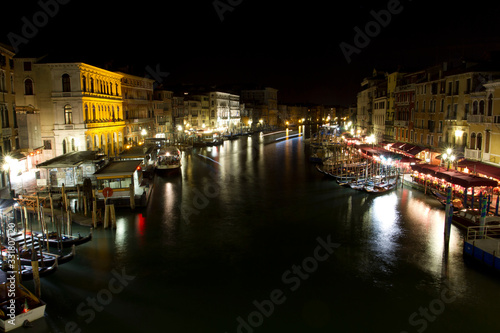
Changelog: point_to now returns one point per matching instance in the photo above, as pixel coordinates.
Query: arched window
(89, 143)
(91, 84)
(93, 113)
(475, 107)
(84, 83)
(64, 147)
(5, 117)
(479, 141)
(68, 114)
(473, 141)
(66, 83)
(487, 142)
(481, 107)
(490, 105)
(3, 86)
(28, 87)
(73, 148)
(87, 115)
(464, 139)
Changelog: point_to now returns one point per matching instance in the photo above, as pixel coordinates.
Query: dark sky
(290, 45)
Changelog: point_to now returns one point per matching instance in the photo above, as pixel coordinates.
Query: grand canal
(250, 238)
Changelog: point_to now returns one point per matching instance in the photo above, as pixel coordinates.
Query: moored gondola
(64, 241)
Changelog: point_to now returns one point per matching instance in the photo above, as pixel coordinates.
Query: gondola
(27, 308)
(441, 198)
(48, 258)
(380, 188)
(27, 271)
(66, 241)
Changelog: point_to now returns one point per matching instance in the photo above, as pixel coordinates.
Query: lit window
(68, 114)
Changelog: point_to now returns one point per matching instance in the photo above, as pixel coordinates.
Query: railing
(475, 118)
(472, 154)
(491, 232)
(401, 123)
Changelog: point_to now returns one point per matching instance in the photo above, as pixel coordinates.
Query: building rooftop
(118, 168)
(71, 160)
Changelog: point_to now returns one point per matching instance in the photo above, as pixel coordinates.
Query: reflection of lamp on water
(448, 157)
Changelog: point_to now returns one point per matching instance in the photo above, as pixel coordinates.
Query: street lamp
(449, 157)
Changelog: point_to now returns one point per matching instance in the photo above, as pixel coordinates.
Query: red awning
(398, 145)
(453, 176)
(480, 167)
(407, 159)
(415, 150)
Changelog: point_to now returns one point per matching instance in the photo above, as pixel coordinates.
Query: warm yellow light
(459, 133)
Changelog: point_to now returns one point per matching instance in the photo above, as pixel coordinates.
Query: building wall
(138, 107)
(80, 105)
(8, 119)
(265, 103)
(225, 111)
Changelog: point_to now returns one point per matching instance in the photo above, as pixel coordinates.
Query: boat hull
(66, 242)
(168, 170)
(30, 316)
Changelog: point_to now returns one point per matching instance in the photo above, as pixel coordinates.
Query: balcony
(401, 123)
(472, 154)
(479, 118)
(104, 123)
(475, 118)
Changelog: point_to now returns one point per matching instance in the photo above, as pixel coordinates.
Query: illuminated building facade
(138, 108)
(484, 123)
(8, 131)
(264, 103)
(80, 106)
(225, 111)
(163, 100)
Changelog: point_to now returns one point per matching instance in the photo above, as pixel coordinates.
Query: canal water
(251, 238)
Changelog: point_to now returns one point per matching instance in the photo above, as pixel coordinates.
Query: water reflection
(386, 226)
(271, 207)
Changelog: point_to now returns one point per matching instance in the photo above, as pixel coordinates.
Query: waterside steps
(482, 245)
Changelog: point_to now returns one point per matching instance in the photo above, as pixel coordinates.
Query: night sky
(289, 45)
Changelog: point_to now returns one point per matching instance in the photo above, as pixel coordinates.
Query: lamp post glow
(448, 157)
(6, 167)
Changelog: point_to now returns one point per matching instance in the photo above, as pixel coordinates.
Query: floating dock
(483, 245)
